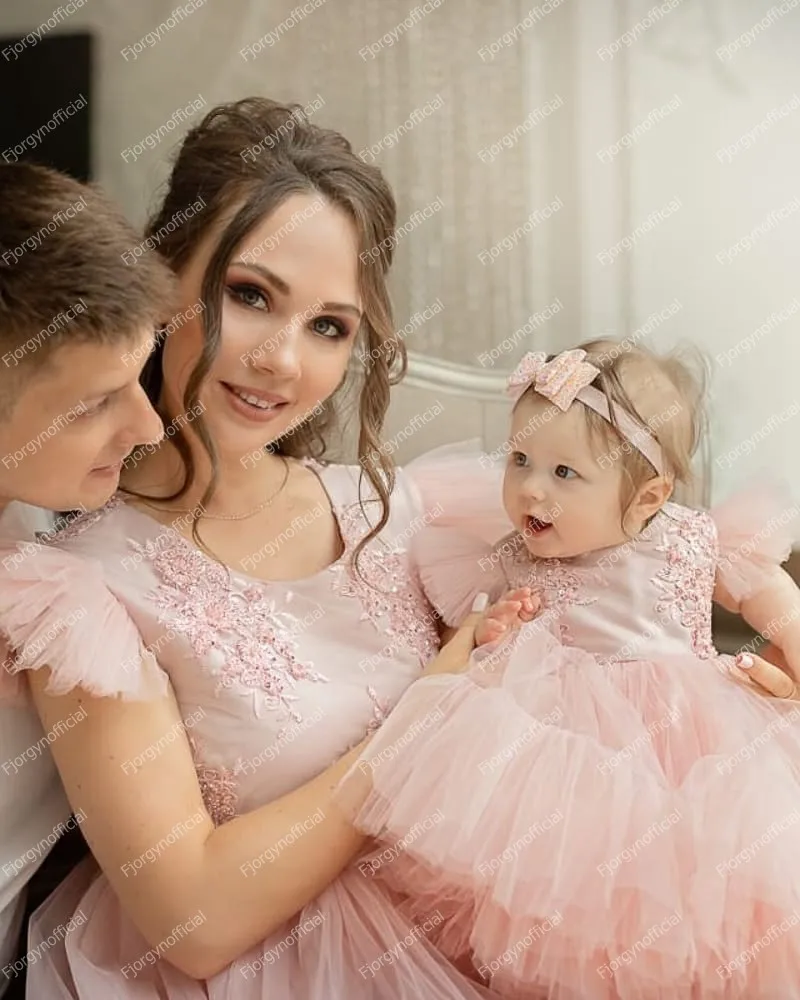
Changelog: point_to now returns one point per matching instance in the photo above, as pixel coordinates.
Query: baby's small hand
(512, 610)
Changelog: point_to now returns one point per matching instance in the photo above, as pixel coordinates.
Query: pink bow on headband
(559, 380)
(568, 377)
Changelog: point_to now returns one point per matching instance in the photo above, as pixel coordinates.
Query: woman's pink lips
(253, 414)
(267, 397)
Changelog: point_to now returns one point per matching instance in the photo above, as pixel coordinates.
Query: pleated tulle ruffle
(584, 809)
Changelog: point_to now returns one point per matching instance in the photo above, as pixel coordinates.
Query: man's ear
(648, 500)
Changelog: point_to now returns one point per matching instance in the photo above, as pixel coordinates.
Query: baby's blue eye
(564, 472)
(518, 458)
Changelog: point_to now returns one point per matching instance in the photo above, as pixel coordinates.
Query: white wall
(726, 302)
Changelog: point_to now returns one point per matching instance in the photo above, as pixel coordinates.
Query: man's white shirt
(33, 806)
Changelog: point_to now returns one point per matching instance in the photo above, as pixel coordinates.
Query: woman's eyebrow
(285, 289)
(341, 307)
(268, 275)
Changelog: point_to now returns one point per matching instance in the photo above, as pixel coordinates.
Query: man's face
(72, 423)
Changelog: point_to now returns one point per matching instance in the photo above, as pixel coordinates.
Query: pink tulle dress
(275, 681)
(598, 808)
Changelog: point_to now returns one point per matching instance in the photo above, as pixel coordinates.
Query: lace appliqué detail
(77, 525)
(560, 585)
(566, 636)
(218, 786)
(256, 645)
(687, 580)
(13, 682)
(380, 711)
(392, 598)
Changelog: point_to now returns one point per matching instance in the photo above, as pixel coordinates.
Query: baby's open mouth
(533, 526)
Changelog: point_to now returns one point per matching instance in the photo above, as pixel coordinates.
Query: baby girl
(600, 833)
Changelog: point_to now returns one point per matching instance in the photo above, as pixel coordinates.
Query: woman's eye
(249, 295)
(564, 472)
(327, 327)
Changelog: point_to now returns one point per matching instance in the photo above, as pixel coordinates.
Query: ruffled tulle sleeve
(460, 490)
(755, 533)
(56, 611)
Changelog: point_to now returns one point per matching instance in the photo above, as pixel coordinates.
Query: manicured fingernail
(481, 602)
(745, 661)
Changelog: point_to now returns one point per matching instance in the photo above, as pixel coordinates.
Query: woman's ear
(648, 500)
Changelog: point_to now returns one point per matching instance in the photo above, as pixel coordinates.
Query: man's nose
(143, 426)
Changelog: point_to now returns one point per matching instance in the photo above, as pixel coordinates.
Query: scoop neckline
(316, 470)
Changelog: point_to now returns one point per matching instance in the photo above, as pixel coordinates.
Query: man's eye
(86, 410)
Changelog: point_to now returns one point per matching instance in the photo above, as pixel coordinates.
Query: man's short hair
(64, 276)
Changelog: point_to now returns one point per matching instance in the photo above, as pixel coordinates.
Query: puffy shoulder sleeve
(56, 611)
(460, 496)
(754, 537)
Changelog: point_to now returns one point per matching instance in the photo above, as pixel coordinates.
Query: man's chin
(91, 496)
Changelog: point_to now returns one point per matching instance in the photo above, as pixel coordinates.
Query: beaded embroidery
(393, 599)
(561, 586)
(686, 581)
(77, 525)
(256, 644)
(380, 710)
(218, 787)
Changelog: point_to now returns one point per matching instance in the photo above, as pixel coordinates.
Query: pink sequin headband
(566, 378)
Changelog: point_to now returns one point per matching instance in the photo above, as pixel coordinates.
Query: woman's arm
(154, 840)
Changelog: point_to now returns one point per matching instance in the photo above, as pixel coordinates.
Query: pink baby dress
(275, 681)
(617, 817)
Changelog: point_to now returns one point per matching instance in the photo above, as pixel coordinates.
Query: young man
(72, 316)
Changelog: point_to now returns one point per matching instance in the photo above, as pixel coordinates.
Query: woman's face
(290, 313)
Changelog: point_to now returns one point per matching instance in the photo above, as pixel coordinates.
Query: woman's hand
(458, 644)
(453, 657)
(767, 678)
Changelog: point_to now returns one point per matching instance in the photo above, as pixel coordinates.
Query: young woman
(280, 615)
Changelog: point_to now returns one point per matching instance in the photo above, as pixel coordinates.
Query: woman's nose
(280, 352)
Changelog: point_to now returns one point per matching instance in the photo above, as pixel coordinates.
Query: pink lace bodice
(648, 598)
(278, 679)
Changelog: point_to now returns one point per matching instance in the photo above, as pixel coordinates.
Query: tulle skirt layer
(596, 832)
(352, 941)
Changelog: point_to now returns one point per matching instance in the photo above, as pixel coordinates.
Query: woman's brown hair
(245, 159)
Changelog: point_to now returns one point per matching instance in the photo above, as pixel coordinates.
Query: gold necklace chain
(228, 517)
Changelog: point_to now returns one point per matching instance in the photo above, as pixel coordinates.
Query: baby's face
(562, 497)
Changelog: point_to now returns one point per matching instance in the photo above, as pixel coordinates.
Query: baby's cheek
(511, 497)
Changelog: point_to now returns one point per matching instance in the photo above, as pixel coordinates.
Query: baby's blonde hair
(662, 392)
